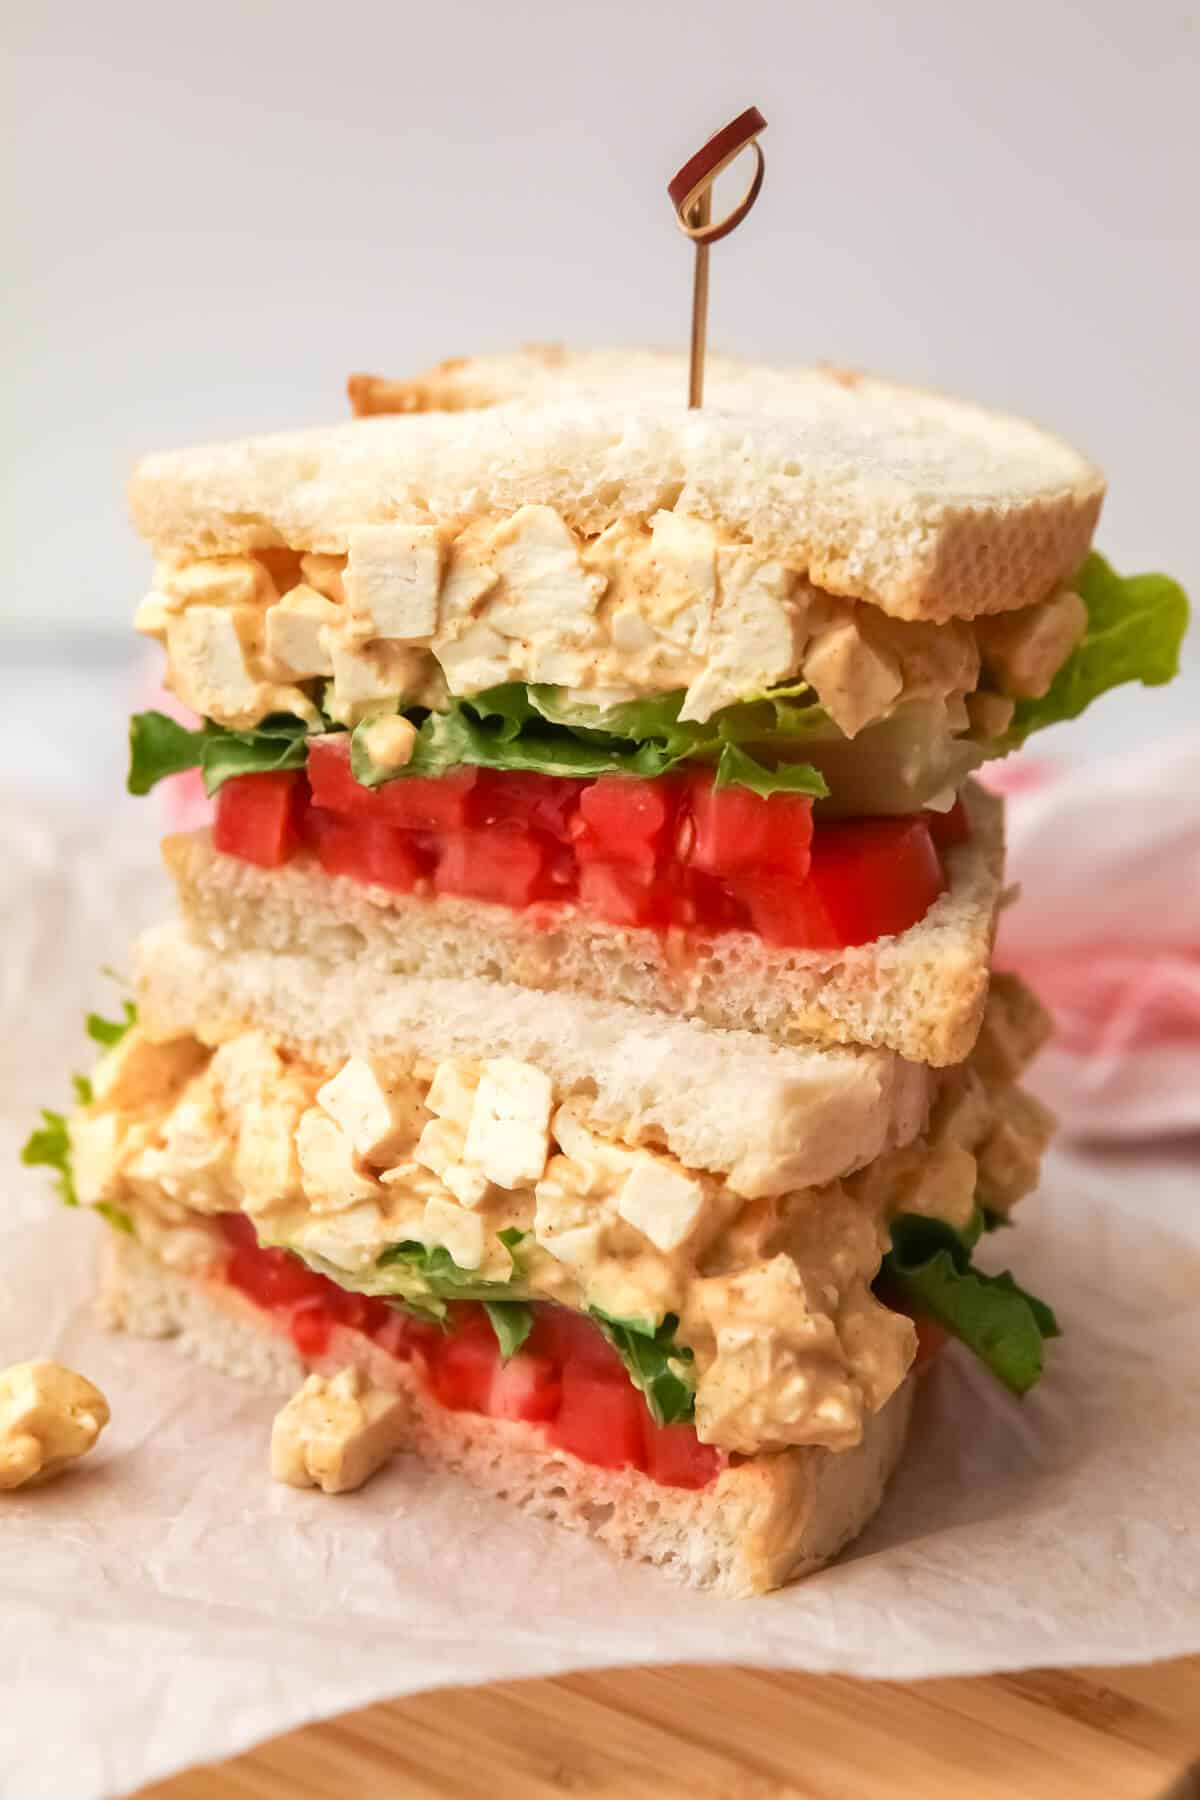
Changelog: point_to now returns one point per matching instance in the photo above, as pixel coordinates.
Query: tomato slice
(675, 1457)
(365, 849)
(949, 828)
(626, 820)
(526, 1387)
(412, 802)
(600, 1419)
(507, 865)
(464, 1366)
(311, 1327)
(330, 780)
(791, 916)
(426, 802)
(546, 803)
(875, 877)
(738, 832)
(624, 895)
(258, 817)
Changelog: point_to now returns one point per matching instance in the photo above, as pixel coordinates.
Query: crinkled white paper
(167, 1603)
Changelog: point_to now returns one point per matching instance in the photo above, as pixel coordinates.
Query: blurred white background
(219, 210)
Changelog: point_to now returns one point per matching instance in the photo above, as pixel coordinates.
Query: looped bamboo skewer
(690, 191)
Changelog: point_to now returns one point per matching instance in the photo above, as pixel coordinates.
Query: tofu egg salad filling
(656, 725)
(469, 1220)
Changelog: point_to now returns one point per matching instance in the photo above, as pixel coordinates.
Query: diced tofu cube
(456, 1230)
(325, 574)
(393, 578)
(295, 644)
(468, 577)
(266, 1162)
(1024, 650)
(153, 616)
(755, 633)
(683, 557)
(476, 658)
(989, 715)
(547, 594)
(577, 1247)
(367, 678)
(439, 1146)
(452, 1091)
(469, 1185)
(49, 1416)
(97, 1155)
(662, 1202)
(509, 1133)
(246, 1068)
(136, 1071)
(217, 581)
(855, 682)
(211, 655)
(329, 1169)
(377, 1105)
(335, 1434)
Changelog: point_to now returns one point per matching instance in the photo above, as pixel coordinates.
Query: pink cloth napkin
(1106, 928)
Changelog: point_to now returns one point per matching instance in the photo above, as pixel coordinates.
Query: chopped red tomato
(875, 877)
(464, 1368)
(931, 1337)
(624, 896)
(566, 1377)
(412, 802)
(526, 1387)
(427, 803)
(738, 832)
(367, 850)
(506, 865)
(311, 1327)
(273, 1278)
(258, 817)
(949, 828)
(519, 797)
(600, 1419)
(626, 820)
(675, 1457)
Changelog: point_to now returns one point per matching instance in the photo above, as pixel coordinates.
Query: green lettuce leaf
(657, 1365)
(929, 1267)
(535, 729)
(159, 747)
(512, 1322)
(107, 1032)
(48, 1145)
(1135, 627)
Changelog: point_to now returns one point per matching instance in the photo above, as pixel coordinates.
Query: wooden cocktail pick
(691, 196)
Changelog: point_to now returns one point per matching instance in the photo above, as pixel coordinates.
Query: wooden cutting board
(743, 1734)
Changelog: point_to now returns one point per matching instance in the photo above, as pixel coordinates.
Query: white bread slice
(770, 1118)
(920, 993)
(923, 505)
(764, 1521)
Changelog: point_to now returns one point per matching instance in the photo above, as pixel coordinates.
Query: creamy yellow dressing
(773, 1296)
(413, 610)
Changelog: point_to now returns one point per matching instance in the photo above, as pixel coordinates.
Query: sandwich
(575, 1059)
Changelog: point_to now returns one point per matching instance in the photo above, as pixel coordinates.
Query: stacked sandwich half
(575, 1058)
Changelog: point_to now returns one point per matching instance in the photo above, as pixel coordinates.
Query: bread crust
(764, 1521)
(923, 505)
(920, 993)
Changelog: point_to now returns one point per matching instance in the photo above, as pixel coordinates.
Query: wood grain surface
(745, 1734)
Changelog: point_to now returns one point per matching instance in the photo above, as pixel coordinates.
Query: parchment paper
(167, 1603)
